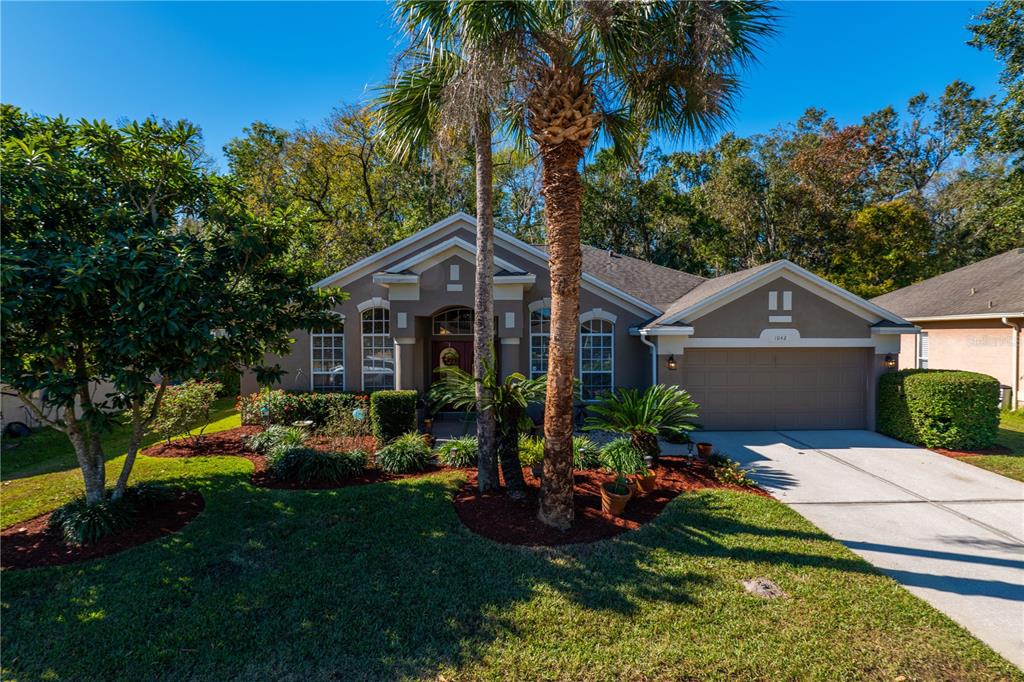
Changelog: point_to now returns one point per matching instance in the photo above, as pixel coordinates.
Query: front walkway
(951, 533)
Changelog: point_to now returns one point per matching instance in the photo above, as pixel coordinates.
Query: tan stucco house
(970, 319)
(770, 347)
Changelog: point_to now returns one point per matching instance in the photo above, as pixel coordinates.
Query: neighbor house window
(378, 351)
(454, 321)
(922, 350)
(597, 348)
(328, 354)
(540, 332)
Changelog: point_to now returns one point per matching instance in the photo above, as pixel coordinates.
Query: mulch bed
(514, 522)
(33, 545)
(231, 443)
(955, 454)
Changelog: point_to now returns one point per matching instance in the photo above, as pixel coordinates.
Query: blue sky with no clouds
(224, 65)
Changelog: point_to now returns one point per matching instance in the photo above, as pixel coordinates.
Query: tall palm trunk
(483, 302)
(560, 185)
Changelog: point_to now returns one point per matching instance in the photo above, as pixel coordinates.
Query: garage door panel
(778, 389)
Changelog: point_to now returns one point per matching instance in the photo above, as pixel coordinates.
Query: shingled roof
(655, 284)
(993, 286)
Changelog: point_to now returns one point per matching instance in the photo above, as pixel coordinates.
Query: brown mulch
(231, 443)
(33, 544)
(955, 454)
(514, 522)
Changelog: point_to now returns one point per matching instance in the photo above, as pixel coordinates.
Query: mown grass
(384, 582)
(1011, 435)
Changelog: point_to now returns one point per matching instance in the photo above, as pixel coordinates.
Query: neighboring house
(770, 347)
(970, 319)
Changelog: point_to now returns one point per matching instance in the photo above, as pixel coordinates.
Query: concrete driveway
(951, 533)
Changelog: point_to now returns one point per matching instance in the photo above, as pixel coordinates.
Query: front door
(451, 353)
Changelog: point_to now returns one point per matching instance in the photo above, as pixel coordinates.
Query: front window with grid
(328, 346)
(540, 332)
(597, 347)
(454, 321)
(378, 351)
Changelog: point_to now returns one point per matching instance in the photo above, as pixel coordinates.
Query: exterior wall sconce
(671, 363)
(890, 361)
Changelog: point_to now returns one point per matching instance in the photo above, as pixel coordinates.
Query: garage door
(759, 388)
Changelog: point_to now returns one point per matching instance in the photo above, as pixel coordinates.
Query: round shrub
(459, 452)
(939, 408)
(406, 454)
(392, 413)
(585, 453)
(307, 465)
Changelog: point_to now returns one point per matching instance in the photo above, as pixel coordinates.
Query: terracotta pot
(613, 504)
(645, 484)
(704, 450)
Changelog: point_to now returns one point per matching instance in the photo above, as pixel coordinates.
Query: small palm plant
(507, 399)
(659, 411)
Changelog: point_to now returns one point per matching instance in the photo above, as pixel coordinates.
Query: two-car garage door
(761, 388)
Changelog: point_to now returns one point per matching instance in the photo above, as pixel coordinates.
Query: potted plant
(705, 449)
(622, 458)
(665, 411)
(645, 477)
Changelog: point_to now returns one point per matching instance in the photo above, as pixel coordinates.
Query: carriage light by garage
(671, 364)
(890, 361)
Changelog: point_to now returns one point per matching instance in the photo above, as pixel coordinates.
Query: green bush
(406, 454)
(531, 450)
(392, 413)
(275, 438)
(459, 452)
(939, 408)
(83, 524)
(307, 465)
(728, 471)
(279, 407)
(660, 410)
(586, 454)
(183, 407)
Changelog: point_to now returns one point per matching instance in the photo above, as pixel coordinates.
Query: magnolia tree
(126, 264)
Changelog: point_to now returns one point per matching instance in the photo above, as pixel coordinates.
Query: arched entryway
(451, 339)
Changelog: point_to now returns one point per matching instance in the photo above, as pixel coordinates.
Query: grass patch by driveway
(384, 582)
(1011, 436)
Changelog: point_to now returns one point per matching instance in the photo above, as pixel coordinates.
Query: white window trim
(537, 306)
(375, 302)
(362, 343)
(607, 317)
(923, 336)
(344, 365)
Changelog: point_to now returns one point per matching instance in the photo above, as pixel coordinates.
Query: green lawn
(1011, 435)
(384, 582)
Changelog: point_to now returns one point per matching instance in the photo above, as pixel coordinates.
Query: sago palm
(580, 69)
(659, 411)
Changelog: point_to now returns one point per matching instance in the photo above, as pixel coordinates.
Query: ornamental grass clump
(458, 452)
(304, 465)
(586, 454)
(275, 438)
(406, 454)
(84, 524)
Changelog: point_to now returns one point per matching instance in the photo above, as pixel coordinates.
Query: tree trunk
(508, 454)
(560, 185)
(647, 443)
(483, 321)
(86, 451)
(139, 423)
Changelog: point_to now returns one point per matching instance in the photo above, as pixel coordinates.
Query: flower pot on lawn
(613, 502)
(645, 482)
(704, 450)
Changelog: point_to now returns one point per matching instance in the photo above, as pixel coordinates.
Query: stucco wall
(812, 315)
(984, 346)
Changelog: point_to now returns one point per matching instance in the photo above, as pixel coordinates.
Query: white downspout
(654, 356)
(1015, 383)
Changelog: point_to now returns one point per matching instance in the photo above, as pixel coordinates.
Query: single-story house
(771, 347)
(970, 319)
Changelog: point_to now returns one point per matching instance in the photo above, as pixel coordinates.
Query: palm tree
(579, 69)
(448, 86)
(659, 411)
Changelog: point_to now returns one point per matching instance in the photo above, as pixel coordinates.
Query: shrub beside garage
(939, 408)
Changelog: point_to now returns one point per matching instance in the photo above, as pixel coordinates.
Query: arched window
(378, 350)
(327, 350)
(454, 321)
(597, 357)
(540, 333)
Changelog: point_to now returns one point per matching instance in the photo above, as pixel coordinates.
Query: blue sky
(224, 65)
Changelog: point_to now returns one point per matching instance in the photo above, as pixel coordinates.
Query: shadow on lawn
(374, 582)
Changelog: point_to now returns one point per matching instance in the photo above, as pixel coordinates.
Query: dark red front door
(452, 353)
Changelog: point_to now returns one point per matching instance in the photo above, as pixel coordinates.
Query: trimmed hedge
(392, 413)
(939, 408)
(278, 407)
